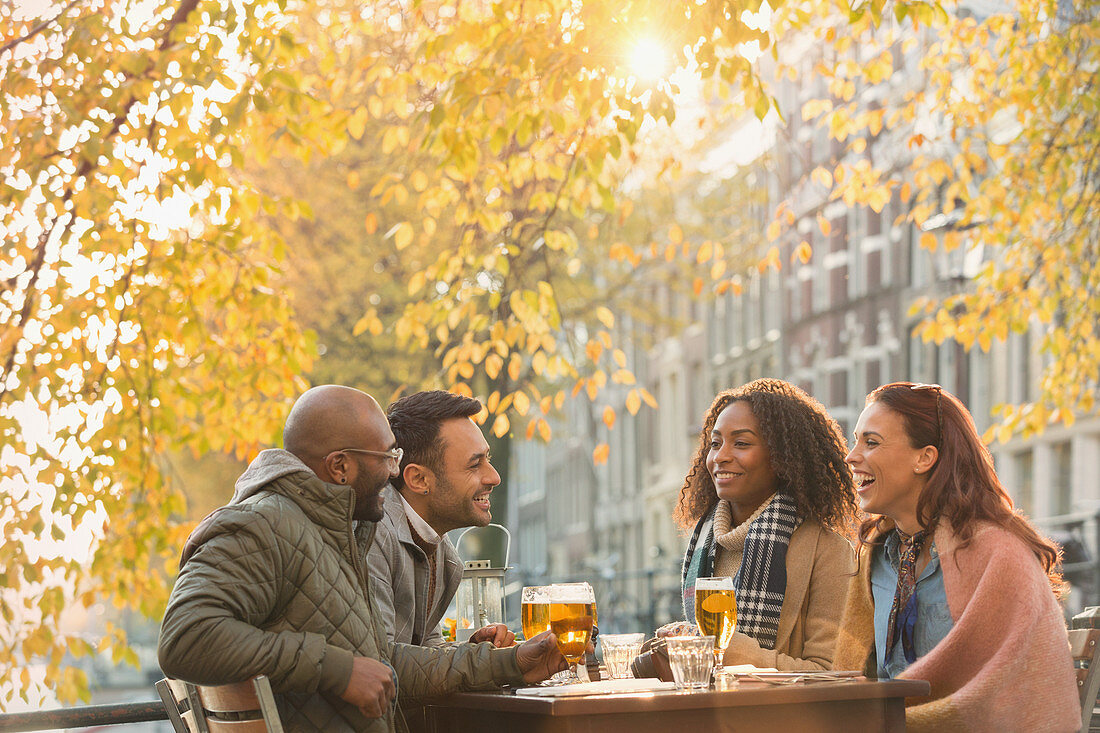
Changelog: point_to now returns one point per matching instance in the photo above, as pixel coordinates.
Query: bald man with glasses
(272, 583)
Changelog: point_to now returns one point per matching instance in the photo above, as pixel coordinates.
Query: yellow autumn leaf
(822, 177)
(402, 234)
(623, 376)
(369, 322)
(370, 223)
(605, 316)
(609, 417)
(500, 426)
(493, 364)
(601, 453)
(357, 123)
(675, 234)
(802, 252)
(544, 430)
(706, 251)
(521, 402)
(633, 402)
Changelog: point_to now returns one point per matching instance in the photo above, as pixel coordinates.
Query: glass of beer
(716, 612)
(535, 610)
(572, 608)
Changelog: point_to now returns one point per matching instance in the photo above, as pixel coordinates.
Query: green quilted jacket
(273, 583)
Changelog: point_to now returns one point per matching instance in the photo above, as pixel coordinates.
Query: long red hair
(963, 487)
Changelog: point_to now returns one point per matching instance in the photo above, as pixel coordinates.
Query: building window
(838, 388)
(1062, 470)
(1025, 481)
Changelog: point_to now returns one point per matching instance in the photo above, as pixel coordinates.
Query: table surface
(748, 693)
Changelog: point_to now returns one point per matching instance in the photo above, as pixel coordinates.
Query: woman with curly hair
(770, 499)
(954, 586)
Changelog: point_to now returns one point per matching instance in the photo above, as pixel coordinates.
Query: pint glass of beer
(571, 619)
(535, 610)
(716, 612)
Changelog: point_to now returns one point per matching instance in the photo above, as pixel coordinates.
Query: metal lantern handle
(502, 528)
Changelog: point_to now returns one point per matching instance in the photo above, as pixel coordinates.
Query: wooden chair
(1084, 644)
(243, 707)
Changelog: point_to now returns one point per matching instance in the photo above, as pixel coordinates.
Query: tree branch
(37, 29)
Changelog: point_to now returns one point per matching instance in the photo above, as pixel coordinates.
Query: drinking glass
(535, 610)
(716, 612)
(571, 619)
(690, 659)
(619, 651)
(582, 584)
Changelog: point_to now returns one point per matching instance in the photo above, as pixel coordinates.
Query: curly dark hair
(807, 454)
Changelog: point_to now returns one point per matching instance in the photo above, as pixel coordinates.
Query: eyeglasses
(394, 454)
(939, 411)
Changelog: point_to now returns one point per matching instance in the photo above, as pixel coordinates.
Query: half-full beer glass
(716, 612)
(571, 619)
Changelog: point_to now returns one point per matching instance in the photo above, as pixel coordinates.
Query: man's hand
(538, 658)
(499, 634)
(370, 687)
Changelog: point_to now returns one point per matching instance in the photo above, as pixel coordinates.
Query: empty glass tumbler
(619, 651)
(691, 659)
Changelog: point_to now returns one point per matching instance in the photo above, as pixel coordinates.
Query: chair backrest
(1084, 645)
(242, 707)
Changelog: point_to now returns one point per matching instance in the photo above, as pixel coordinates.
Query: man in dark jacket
(272, 583)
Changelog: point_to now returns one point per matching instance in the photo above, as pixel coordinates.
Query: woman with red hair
(953, 586)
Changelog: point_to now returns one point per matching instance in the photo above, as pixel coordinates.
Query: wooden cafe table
(849, 706)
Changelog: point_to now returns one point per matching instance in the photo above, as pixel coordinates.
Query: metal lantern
(480, 598)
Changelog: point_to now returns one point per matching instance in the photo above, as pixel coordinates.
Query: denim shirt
(933, 616)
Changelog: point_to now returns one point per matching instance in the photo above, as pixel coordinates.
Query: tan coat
(820, 564)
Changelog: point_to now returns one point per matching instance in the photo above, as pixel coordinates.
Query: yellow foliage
(609, 417)
(802, 253)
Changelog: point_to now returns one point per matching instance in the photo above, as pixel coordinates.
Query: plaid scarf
(761, 582)
(903, 612)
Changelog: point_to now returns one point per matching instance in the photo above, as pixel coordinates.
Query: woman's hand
(678, 628)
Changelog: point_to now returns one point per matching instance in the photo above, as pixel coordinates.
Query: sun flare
(648, 60)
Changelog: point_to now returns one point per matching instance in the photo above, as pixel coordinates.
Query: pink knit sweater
(1005, 666)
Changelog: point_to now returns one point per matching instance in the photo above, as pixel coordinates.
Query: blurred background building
(838, 326)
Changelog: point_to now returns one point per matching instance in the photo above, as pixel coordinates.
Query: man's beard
(367, 488)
